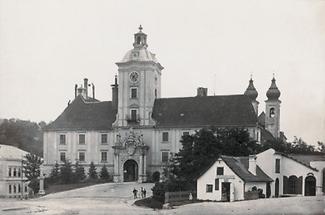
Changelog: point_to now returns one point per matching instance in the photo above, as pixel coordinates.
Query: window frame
(101, 138)
(65, 156)
(62, 141)
(219, 168)
(84, 156)
(84, 139)
(216, 184)
(134, 89)
(277, 165)
(163, 138)
(163, 155)
(209, 188)
(101, 156)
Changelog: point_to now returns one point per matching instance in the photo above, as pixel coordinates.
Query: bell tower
(139, 77)
(272, 110)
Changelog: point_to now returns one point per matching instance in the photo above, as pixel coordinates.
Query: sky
(46, 47)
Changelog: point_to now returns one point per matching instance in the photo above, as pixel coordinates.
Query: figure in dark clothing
(144, 193)
(135, 192)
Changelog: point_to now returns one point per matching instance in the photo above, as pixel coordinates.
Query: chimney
(252, 164)
(115, 95)
(75, 90)
(201, 91)
(86, 86)
(93, 89)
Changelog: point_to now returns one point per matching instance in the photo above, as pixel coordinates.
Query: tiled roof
(11, 152)
(231, 110)
(81, 114)
(240, 166)
(266, 136)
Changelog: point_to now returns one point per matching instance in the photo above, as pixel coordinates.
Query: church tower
(139, 78)
(272, 110)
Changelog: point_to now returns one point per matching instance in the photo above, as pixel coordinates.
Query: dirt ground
(117, 199)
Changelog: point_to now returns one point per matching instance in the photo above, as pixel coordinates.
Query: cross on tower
(140, 28)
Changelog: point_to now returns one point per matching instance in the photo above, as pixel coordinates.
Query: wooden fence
(179, 196)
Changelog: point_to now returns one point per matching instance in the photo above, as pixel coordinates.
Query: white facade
(11, 174)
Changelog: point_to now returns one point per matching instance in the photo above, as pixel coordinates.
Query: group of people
(142, 194)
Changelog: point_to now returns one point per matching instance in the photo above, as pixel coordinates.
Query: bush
(34, 185)
(79, 173)
(158, 191)
(104, 175)
(66, 173)
(92, 171)
(156, 177)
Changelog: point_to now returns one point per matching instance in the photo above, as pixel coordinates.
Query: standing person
(135, 191)
(144, 192)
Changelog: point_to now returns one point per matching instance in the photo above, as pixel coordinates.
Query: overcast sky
(48, 46)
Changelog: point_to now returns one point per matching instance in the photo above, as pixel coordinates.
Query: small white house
(228, 178)
(11, 175)
(277, 174)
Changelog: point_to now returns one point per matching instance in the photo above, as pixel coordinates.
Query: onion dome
(273, 92)
(251, 92)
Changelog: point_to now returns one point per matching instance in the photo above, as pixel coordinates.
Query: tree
(31, 168)
(66, 173)
(92, 171)
(79, 173)
(321, 146)
(204, 147)
(55, 174)
(104, 175)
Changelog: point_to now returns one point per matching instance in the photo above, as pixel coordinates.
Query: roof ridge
(211, 96)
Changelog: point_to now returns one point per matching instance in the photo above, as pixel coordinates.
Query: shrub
(156, 177)
(66, 173)
(104, 175)
(79, 173)
(92, 171)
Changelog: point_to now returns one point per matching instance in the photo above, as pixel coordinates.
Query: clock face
(134, 77)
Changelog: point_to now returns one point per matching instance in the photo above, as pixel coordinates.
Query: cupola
(140, 39)
(273, 92)
(251, 92)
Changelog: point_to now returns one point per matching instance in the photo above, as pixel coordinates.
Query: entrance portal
(130, 170)
(310, 186)
(225, 188)
(277, 187)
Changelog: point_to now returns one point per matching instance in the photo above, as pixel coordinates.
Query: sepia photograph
(162, 107)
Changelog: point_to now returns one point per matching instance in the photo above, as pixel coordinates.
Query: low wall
(179, 196)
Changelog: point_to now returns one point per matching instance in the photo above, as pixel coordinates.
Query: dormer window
(272, 113)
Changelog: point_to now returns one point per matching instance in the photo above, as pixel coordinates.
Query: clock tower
(139, 75)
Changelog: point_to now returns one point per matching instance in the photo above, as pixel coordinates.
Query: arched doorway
(130, 170)
(276, 187)
(310, 186)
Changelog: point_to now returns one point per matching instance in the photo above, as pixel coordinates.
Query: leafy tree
(92, 171)
(321, 146)
(104, 175)
(79, 173)
(202, 148)
(55, 174)
(31, 168)
(66, 173)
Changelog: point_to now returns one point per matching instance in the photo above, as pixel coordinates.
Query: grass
(155, 204)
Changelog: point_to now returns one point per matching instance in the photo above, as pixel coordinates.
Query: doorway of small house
(310, 186)
(130, 171)
(225, 191)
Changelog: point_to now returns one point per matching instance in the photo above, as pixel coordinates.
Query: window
(14, 188)
(216, 184)
(272, 112)
(9, 172)
(26, 189)
(134, 115)
(9, 188)
(18, 188)
(165, 136)
(62, 156)
(277, 165)
(156, 94)
(62, 139)
(219, 170)
(209, 188)
(104, 156)
(19, 172)
(15, 172)
(82, 156)
(104, 138)
(164, 157)
(186, 133)
(82, 139)
(134, 93)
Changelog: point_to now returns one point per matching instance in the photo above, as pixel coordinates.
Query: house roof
(233, 110)
(11, 152)
(240, 166)
(302, 159)
(85, 115)
(230, 110)
(266, 136)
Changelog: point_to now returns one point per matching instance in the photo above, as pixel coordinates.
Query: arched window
(272, 112)
(294, 185)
